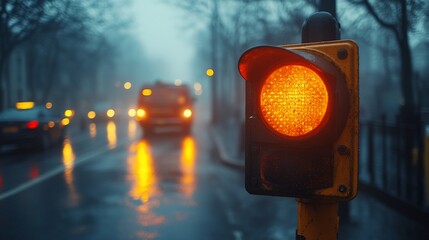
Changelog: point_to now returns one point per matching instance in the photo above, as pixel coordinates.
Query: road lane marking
(60, 169)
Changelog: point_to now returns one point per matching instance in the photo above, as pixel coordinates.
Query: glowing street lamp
(127, 86)
(210, 72)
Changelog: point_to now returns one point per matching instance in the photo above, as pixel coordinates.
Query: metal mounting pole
(318, 219)
(213, 79)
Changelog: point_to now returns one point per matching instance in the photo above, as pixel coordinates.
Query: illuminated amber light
(210, 72)
(65, 121)
(147, 92)
(24, 105)
(91, 114)
(51, 124)
(68, 113)
(127, 85)
(187, 113)
(132, 112)
(141, 113)
(110, 113)
(48, 105)
(294, 100)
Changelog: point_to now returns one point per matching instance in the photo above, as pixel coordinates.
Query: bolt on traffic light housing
(302, 104)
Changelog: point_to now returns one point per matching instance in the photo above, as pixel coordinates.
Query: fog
(74, 53)
(125, 79)
(161, 28)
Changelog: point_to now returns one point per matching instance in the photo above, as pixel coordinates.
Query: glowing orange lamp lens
(294, 100)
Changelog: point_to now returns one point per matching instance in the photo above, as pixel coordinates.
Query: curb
(220, 148)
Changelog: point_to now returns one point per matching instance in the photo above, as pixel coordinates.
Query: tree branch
(377, 18)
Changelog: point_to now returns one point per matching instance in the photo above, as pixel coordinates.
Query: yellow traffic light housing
(302, 109)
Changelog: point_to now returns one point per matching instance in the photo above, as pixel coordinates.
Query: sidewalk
(369, 218)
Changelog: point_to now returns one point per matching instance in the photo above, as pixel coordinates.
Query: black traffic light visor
(259, 62)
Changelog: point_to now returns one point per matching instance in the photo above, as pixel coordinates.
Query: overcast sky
(159, 27)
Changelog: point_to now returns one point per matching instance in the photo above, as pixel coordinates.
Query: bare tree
(19, 21)
(235, 25)
(400, 18)
(64, 29)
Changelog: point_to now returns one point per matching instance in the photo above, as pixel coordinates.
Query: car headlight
(140, 114)
(110, 113)
(91, 114)
(132, 112)
(187, 113)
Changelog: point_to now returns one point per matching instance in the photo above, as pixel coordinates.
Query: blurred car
(35, 127)
(102, 112)
(162, 105)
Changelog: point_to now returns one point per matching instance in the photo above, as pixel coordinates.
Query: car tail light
(32, 124)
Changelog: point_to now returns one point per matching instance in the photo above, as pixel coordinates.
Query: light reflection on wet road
(132, 129)
(187, 166)
(145, 189)
(155, 180)
(105, 182)
(111, 134)
(68, 160)
(92, 130)
(142, 172)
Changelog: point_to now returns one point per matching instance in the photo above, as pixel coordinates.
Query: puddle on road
(150, 185)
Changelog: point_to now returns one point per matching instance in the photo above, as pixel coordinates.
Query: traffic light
(302, 110)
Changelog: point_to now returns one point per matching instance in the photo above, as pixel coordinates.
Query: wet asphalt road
(107, 182)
